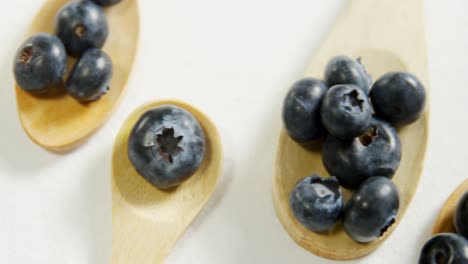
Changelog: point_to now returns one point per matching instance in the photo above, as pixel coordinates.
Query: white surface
(234, 60)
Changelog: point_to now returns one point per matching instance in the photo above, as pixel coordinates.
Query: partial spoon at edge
(444, 222)
(60, 123)
(146, 221)
(388, 35)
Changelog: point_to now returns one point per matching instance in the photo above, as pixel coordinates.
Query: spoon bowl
(444, 222)
(384, 43)
(146, 221)
(60, 123)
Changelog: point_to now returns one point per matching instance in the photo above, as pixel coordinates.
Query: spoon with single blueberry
(62, 101)
(166, 163)
(359, 142)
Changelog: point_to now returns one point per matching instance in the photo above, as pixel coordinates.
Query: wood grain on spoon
(146, 221)
(60, 123)
(388, 35)
(444, 222)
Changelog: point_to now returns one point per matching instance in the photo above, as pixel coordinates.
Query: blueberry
(445, 248)
(81, 24)
(376, 152)
(461, 216)
(372, 209)
(90, 76)
(40, 63)
(345, 70)
(317, 202)
(301, 110)
(346, 111)
(166, 146)
(107, 2)
(398, 97)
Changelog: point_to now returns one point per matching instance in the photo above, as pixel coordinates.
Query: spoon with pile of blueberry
(352, 147)
(362, 150)
(62, 100)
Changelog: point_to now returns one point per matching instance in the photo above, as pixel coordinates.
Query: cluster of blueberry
(361, 150)
(81, 30)
(450, 247)
(166, 146)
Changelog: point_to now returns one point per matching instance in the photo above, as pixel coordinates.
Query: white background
(234, 60)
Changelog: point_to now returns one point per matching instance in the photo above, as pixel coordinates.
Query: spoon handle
(136, 239)
(369, 26)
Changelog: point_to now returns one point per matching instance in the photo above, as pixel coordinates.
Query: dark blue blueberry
(317, 202)
(301, 110)
(445, 248)
(345, 70)
(398, 97)
(166, 146)
(107, 2)
(346, 111)
(90, 77)
(376, 152)
(373, 208)
(81, 24)
(461, 216)
(40, 63)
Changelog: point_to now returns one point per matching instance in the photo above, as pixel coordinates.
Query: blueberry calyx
(440, 257)
(325, 188)
(352, 98)
(397, 109)
(26, 54)
(168, 144)
(369, 136)
(384, 229)
(80, 30)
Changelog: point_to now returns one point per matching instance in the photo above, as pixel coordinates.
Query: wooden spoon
(444, 222)
(146, 221)
(388, 35)
(60, 123)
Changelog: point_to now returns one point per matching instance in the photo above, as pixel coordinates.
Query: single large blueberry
(372, 209)
(445, 248)
(317, 202)
(345, 70)
(398, 97)
(107, 2)
(166, 146)
(346, 111)
(40, 63)
(90, 76)
(376, 152)
(301, 110)
(461, 216)
(81, 24)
